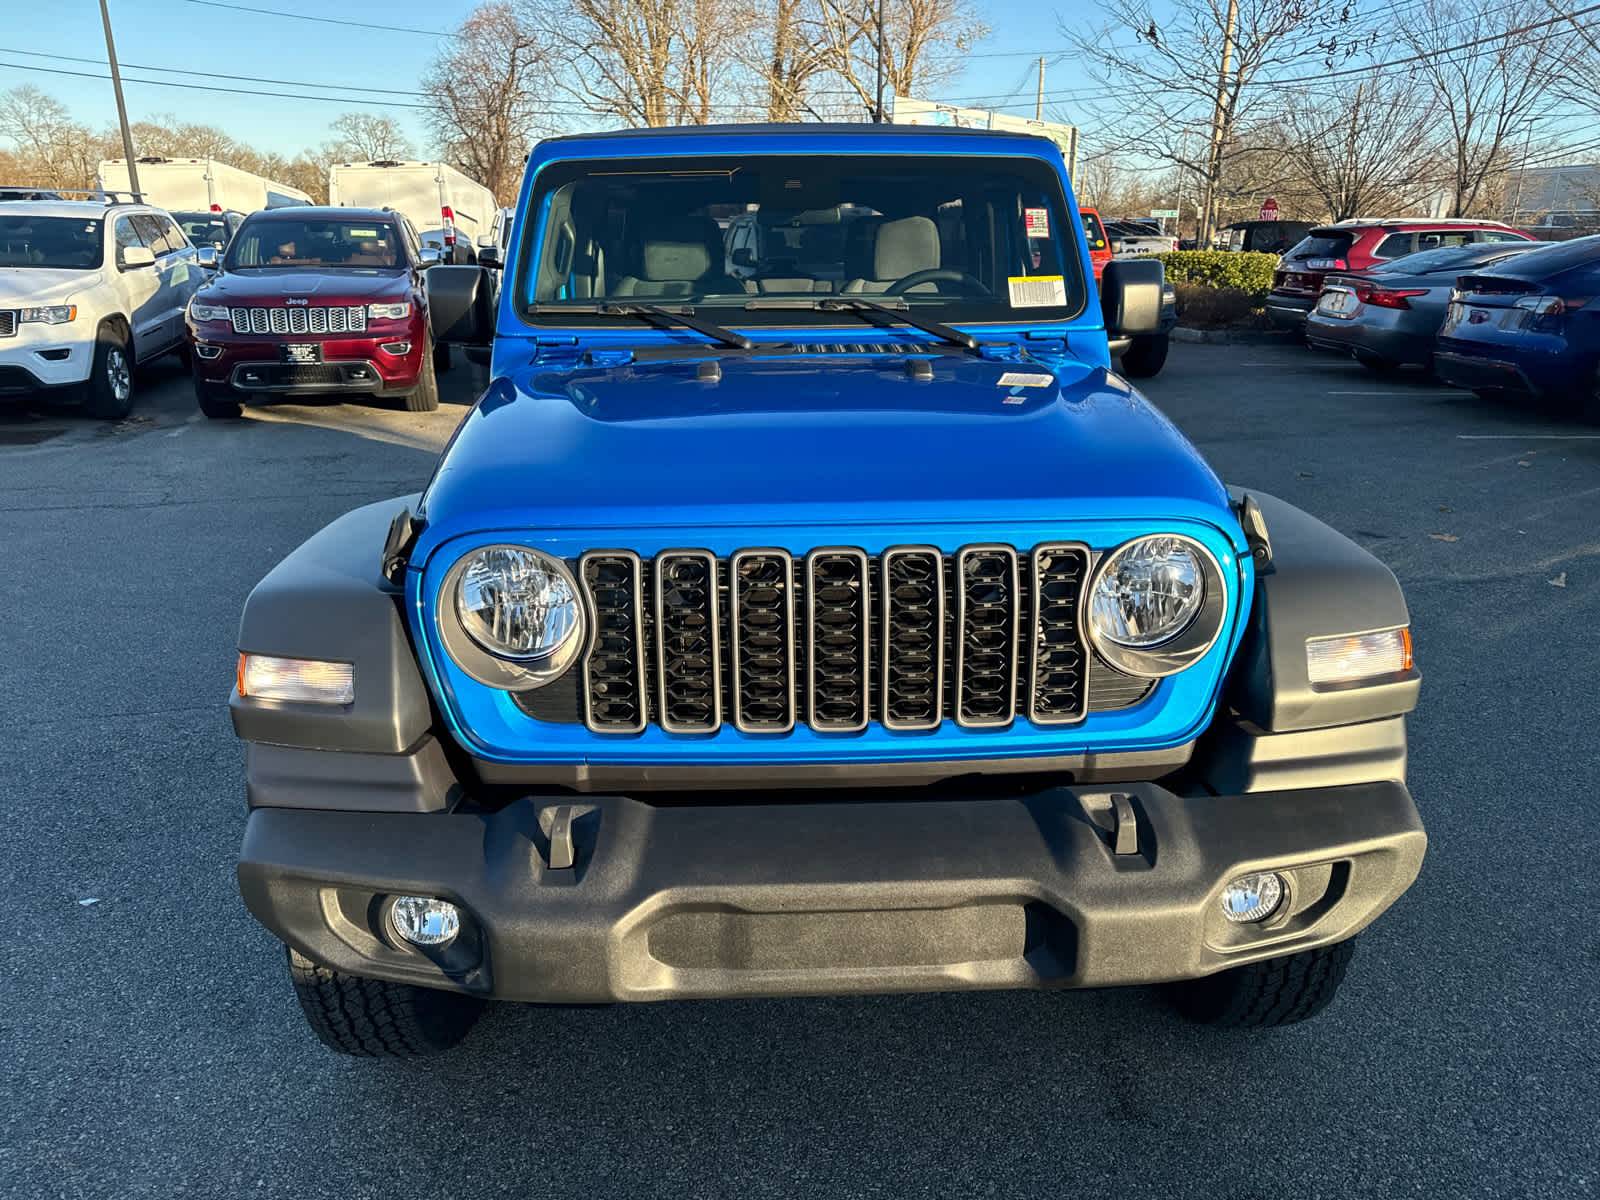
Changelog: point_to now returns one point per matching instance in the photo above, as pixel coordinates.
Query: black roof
(324, 210)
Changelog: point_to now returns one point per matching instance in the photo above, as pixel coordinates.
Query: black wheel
(109, 392)
(1260, 995)
(220, 404)
(371, 1018)
(1146, 356)
(1381, 366)
(425, 396)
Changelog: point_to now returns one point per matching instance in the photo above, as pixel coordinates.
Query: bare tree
(781, 48)
(643, 62)
(487, 90)
(1486, 93)
(923, 41)
(1361, 146)
(1196, 76)
(51, 149)
(372, 137)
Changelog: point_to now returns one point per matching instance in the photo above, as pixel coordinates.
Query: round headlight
(1148, 592)
(518, 603)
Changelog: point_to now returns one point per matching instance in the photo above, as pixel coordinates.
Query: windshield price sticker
(1037, 291)
(1037, 221)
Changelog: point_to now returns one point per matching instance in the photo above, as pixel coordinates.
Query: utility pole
(1204, 230)
(877, 115)
(122, 109)
(1038, 108)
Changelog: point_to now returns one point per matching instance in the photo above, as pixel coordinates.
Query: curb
(1235, 337)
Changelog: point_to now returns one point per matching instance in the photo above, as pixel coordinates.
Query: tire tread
(373, 1018)
(1262, 995)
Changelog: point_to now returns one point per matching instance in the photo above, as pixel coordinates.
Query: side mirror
(485, 240)
(489, 256)
(431, 256)
(208, 258)
(138, 256)
(458, 305)
(1130, 296)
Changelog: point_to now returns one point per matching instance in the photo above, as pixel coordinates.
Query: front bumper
(45, 356)
(358, 363)
(821, 898)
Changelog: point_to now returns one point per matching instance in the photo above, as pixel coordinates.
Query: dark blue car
(1529, 327)
(808, 607)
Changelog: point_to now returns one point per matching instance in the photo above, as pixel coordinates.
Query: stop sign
(1269, 209)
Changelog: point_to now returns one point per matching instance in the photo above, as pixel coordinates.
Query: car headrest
(679, 249)
(905, 247)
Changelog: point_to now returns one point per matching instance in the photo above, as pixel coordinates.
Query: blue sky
(197, 37)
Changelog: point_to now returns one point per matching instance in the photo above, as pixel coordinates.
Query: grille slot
(613, 670)
(345, 319)
(838, 639)
(761, 603)
(1058, 676)
(988, 600)
(688, 642)
(8, 322)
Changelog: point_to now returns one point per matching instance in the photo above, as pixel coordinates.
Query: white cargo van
(199, 185)
(449, 210)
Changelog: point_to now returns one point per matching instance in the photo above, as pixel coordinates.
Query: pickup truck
(848, 631)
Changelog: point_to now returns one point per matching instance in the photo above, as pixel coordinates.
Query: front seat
(678, 257)
(900, 248)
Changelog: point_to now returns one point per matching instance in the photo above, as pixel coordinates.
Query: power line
(347, 87)
(272, 12)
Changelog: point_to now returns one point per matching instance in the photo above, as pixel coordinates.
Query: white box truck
(199, 185)
(449, 210)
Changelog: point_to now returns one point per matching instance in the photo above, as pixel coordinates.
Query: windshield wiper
(669, 317)
(900, 312)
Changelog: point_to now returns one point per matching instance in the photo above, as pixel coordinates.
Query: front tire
(373, 1018)
(1146, 356)
(425, 396)
(1261, 995)
(109, 393)
(220, 404)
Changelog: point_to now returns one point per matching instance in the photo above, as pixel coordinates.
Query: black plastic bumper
(817, 898)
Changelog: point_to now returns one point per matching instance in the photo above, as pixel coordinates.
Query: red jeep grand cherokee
(311, 301)
(1358, 244)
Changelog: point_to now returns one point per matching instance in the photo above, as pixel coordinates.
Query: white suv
(87, 291)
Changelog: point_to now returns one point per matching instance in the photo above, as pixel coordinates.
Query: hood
(32, 286)
(334, 287)
(814, 440)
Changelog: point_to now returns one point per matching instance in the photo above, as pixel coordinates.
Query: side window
(1393, 246)
(150, 230)
(1448, 237)
(176, 239)
(1497, 235)
(126, 236)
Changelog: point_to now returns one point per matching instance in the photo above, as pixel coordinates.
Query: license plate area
(300, 353)
(1336, 303)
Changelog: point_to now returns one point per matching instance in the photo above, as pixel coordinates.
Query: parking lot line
(1528, 437)
(1412, 392)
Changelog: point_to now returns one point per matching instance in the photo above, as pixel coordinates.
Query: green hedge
(1249, 271)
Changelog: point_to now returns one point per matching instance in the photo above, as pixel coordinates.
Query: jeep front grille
(8, 322)
(352, 319)
(837, 639)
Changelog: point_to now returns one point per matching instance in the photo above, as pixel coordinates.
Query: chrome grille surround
(838, 640)
(615, 687)
(1058, 659)
(761, 613)
(342, 319)
(688, 642)
(8, 322)
(988, 609)
(912, 600)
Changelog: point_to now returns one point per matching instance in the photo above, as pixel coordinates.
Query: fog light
(1252, 897)
(208, 352)
(425, 921)
(396, 348)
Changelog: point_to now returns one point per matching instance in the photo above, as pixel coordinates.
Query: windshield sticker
(1037, 291)
(1037, 221)
(1025, 379)
(364, 233)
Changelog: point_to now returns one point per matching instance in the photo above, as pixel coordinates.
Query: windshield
(203, 228)
(317, 243)
(1328, 245)
(971, 239)
(65, 243)
(1093, 232)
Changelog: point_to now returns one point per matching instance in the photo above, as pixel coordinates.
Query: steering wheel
(941, 275)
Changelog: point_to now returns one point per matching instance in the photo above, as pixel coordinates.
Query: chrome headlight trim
(1185, 648)
(501, 671)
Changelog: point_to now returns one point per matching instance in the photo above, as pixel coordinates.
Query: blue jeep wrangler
(815, 614)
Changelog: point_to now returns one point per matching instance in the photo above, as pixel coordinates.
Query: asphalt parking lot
(153, 1047)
